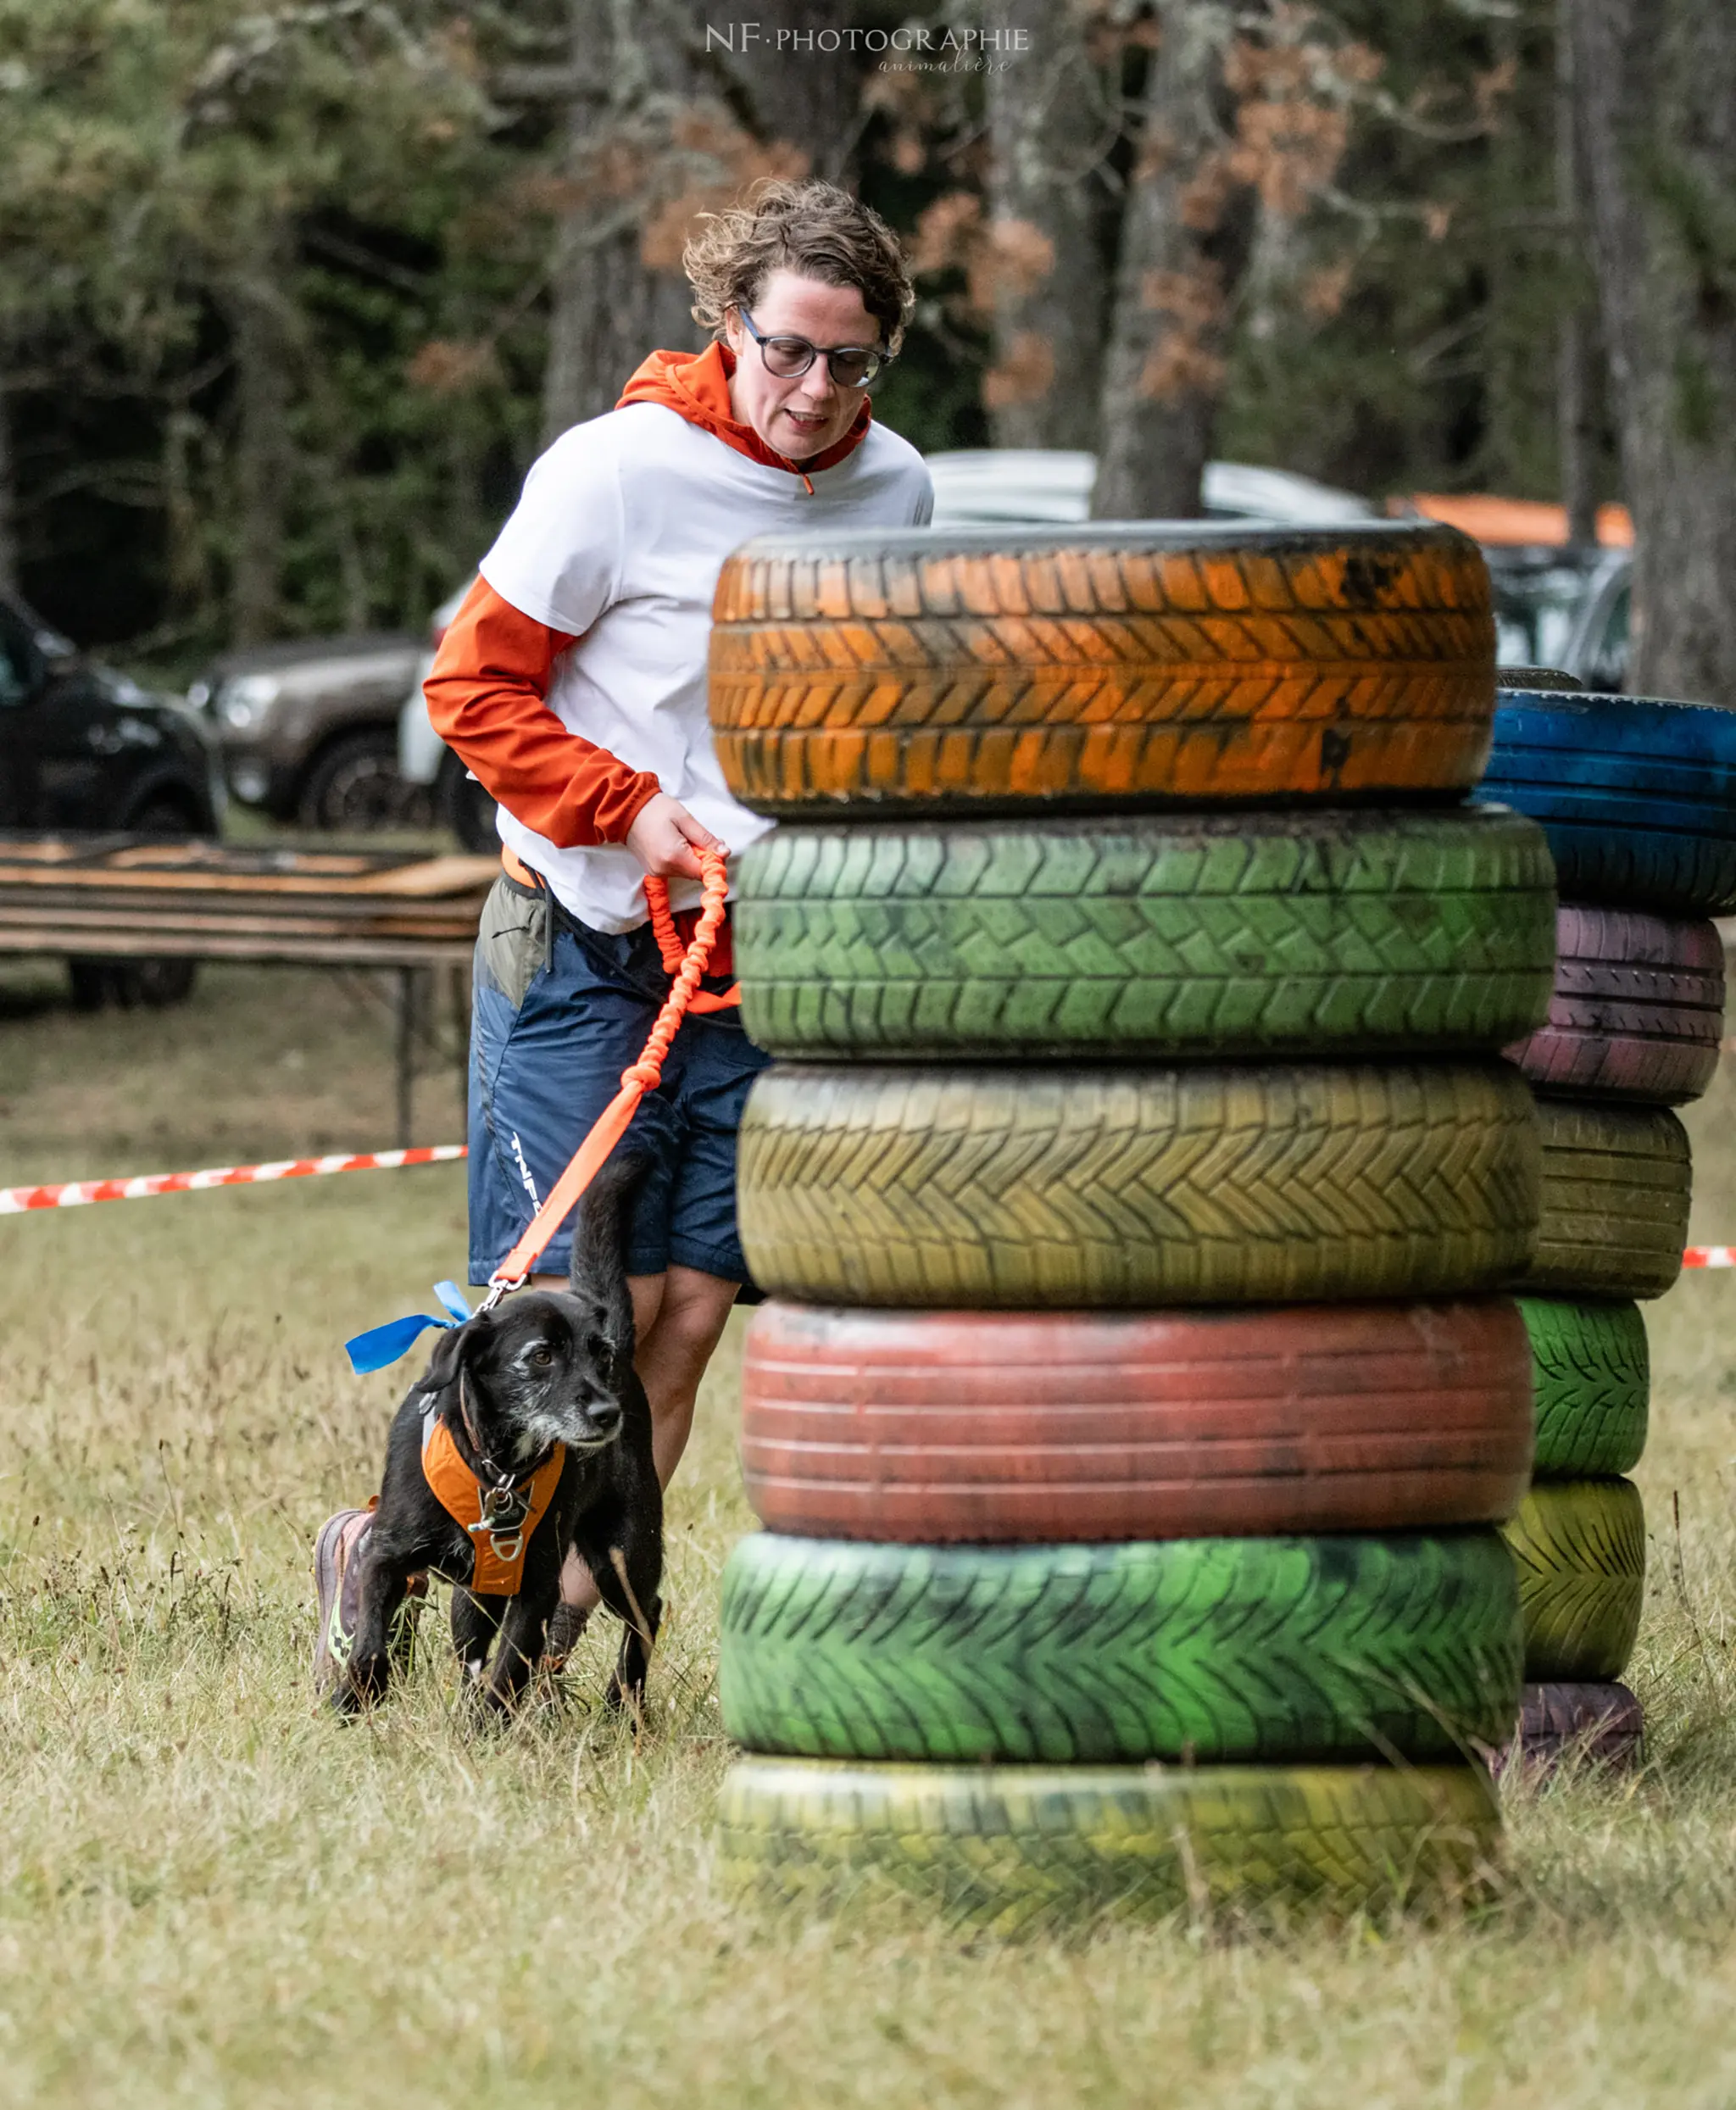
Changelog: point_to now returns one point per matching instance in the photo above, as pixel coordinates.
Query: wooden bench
(298, 903)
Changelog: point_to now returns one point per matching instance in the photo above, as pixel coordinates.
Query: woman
(572, 684)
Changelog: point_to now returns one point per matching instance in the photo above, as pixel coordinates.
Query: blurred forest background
(290, 298)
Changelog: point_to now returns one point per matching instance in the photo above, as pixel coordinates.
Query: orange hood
(698, 387)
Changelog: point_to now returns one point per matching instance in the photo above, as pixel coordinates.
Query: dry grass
(208, 1893)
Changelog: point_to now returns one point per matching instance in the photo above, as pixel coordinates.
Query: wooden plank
(438, 876)
(132, 862)
(314, 952)
(122, 852)
(135, 897)
(171, 929)
(478, 876)
(444, 916)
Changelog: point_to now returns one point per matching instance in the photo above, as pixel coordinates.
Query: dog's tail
(599, 1244)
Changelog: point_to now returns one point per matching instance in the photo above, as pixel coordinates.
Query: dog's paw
(362, 1685)
(626, 1696)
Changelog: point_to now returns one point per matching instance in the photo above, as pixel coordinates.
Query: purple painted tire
(1638, 1010)
(1596, 1723)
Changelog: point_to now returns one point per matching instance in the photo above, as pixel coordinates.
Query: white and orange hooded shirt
(572, 681)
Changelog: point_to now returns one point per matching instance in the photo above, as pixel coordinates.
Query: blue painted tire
(1637, 797)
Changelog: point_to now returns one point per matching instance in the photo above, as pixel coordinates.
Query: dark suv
(309, 729)
(84, 749)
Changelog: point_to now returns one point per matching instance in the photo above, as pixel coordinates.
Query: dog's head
(539, 1369)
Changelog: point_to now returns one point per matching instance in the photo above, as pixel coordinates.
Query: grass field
(210, 1895)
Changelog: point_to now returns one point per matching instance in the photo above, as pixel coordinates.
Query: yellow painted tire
(1018, 1848)
(1580, 1548)
(1615, 1184)
(1036, 1186)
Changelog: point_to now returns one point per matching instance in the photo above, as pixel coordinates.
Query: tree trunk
(610, 308)
(260, 333)
(8, 502)
(1577, 349)
(1657, 95)
(797, 88)
(1047, 118)
(1185, 242)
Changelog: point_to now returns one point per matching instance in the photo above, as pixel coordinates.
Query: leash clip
(500, 1286)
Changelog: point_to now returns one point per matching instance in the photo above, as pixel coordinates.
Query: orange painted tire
(968, 669)
(929, 1427)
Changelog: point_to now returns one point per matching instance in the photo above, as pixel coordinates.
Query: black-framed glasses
(850, 366)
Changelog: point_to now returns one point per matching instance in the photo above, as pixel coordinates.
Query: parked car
(1597, 648)
(1040, 485)
(1558, 604)
(308, 730)
(84, 749)
(1563, 608)
(425, 762)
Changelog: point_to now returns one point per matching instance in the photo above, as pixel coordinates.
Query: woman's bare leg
(678, 1319)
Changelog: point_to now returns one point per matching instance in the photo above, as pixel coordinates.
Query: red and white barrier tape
(15, 1201)
(75, 1194)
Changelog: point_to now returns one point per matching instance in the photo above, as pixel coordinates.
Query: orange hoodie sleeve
(486, 699)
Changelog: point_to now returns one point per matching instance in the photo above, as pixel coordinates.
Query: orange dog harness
(501, 1520)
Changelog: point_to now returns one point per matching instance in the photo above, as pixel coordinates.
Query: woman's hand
(666, 839)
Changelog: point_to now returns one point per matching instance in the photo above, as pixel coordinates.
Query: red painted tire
(925, 1426)
(1638, 1009)
(1595, 1722)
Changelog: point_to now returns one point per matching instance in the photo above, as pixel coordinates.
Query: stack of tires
(1133, 1416)
(1638, 800)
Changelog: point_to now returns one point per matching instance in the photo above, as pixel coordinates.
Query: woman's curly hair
(811, 227)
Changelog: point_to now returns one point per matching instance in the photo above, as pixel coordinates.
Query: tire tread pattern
(1591, 1384)
(1592, 1723)
(905, 672)
(1638, 796)
(1135, 1186)
(1616, 1184)
(1192, 935)
(1580, 1547)
(1016, 1850)
(927, 1426)
(1637, 1012)
(1197, 1650)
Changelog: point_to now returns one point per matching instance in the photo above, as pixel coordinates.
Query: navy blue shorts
(559, 1010)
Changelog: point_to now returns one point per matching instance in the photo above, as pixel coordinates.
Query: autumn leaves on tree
(1133, 166)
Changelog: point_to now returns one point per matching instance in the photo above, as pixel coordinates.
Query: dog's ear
(452, 1351)
(599, 1240)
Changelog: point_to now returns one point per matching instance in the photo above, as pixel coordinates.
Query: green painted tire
(1193, 1649)
(1616, 1190)
(1026, 1187)
(1249, 934)
(1019, 1850)
(1591, 1385)
(1580, 1548)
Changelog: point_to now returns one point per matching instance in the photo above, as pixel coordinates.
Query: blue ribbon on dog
(383, 1344)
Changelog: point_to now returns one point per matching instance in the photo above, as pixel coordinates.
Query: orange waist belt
(501, 1521)
(665, 927)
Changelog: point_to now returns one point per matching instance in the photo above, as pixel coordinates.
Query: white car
(424, 758)
(1040, 486)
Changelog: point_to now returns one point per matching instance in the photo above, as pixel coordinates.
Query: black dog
(505, 1392)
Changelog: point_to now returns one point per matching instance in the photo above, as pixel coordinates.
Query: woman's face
(800, 417)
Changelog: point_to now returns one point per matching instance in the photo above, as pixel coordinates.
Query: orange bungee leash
(384, 1344)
